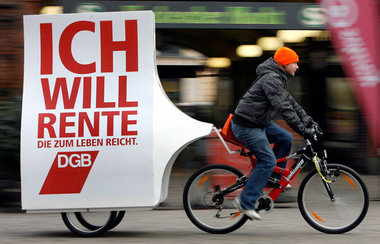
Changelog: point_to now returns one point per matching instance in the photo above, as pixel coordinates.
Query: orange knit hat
(285, 56)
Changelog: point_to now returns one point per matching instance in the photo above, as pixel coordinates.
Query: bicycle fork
(323, 172)
(329, 190)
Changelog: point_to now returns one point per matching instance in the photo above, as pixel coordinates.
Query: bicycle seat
(227, 133)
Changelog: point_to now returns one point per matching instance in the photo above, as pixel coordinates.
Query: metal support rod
(224, 142)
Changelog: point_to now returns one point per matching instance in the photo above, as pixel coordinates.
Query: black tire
(334, 217)
(86, 223)
(90, 226)
(118, 219)
(202, 209)
(75, 227)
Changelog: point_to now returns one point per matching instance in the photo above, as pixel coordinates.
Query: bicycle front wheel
(343, 209)
(206, 206)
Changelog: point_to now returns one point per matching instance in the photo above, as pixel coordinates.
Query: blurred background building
(207, 53)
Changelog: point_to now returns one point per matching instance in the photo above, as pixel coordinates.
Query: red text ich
(107, 47)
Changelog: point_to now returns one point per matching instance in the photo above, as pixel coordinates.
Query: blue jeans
(258, 140)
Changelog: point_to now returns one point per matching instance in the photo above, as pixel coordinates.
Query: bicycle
(332, 198)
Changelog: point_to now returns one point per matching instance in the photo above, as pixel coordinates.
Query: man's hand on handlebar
(312, 131)
(309, 133)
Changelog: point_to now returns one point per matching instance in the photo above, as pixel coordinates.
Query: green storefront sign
(215, 15)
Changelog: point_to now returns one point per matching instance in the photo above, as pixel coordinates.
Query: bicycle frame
(304, 155)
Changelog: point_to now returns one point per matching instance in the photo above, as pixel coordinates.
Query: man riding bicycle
(252, 123)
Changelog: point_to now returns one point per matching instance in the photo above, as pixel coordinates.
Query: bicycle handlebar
(316, 141)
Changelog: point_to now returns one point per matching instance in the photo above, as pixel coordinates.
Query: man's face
(291, 68)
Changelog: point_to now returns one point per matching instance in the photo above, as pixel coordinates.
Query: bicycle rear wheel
(206, 207)
(340, 215)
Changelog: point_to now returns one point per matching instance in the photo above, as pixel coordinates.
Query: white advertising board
(97, 129)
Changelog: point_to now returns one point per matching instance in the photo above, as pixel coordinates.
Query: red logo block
(69, 172)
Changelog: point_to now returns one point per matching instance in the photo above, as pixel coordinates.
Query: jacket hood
(270, 66)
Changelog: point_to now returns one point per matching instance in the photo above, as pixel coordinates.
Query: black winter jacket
(266, 97)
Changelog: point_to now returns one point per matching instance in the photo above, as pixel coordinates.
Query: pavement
(283, 225)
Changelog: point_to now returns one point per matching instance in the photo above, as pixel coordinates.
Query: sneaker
(250, 213)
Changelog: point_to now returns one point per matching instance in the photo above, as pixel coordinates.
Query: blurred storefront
(207, 53)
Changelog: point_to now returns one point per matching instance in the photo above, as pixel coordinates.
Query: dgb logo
(69, 172)
(74, 160)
